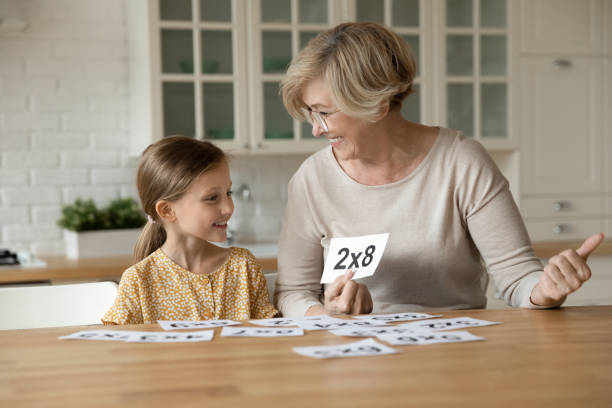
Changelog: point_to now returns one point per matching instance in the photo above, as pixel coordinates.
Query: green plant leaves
(84, 215)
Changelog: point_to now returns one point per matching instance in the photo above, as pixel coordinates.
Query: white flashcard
(341, 324)
(368, 347)
(141, 336)
(375, 331)
(448, 324)
(114, 335)
(360, 254)
(274, 322)
(429, 338)
(396, 317)
(164, 337)
(261, 332)
(194, 324)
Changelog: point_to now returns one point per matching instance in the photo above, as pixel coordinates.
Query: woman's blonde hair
(366, 66)
(166, 170)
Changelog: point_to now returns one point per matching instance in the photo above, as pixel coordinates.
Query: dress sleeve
(127, 308)
(261, 307)
(300, 255)
(497, 228)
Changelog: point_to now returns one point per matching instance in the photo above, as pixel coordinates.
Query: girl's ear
(165, 211)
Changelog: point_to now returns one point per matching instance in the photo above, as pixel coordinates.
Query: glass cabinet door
(198, 70)
(404, 17)
(282, 28)
(476, 75)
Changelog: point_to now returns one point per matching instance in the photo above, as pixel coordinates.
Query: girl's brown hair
(366, 66)
(166, 171)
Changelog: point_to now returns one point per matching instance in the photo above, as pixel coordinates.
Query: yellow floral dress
(157, 288)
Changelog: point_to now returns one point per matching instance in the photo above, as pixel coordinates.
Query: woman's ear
(165, 211)
(384, 110)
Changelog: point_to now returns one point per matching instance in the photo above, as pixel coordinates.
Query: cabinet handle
(558, 205)
(558, 229)
(562, 63)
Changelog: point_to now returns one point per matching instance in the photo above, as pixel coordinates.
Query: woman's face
(348, 136)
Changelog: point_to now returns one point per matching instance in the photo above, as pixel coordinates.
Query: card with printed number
(194, 324)
(282, 322)
(141, 336)
(428, 338)
(375, 331)
(339, 324)
(359, 254)
(396, 317)
(368, 347)
(261, 332)
(448, 324)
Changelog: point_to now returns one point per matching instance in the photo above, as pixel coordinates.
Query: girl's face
(203, 211)
(347, 135)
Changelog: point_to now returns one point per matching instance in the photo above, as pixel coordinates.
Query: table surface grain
(535, 358)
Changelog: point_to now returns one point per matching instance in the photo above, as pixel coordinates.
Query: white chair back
(271, 282)
(28, 307)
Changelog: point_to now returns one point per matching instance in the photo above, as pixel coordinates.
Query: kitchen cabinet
(475, 72)
(211, 68)
(562, 26)
(563, 119)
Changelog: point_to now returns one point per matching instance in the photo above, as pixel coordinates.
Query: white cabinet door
(608, 27)
(608, 126)
(561, 126)
(570, 26)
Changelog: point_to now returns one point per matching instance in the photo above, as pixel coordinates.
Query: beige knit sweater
(453, 209)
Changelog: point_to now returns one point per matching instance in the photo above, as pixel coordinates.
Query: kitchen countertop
(61, 269)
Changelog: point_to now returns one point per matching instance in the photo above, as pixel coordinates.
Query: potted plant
(90, 231)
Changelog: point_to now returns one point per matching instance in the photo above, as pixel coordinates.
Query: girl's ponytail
(150, 239)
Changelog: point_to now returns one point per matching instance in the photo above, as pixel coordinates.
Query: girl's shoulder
(143, 268)
(239, 253)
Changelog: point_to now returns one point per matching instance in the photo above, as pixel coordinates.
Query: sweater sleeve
(497, 228)
(300, 255)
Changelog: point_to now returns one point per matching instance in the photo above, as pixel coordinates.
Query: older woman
(438, 194)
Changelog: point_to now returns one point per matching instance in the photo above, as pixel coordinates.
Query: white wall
(64, 126)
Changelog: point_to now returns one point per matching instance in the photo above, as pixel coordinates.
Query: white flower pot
(91, 244)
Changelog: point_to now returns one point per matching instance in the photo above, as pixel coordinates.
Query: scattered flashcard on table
(261, 332)
(194, 324)
(282, 322)
(368, 347)
(396, 317)
(275, 322)
(141, 336)
(448, 324)
(375, 331)
(429, 338)
(341, 324)
(164, 337)
(114, 335)
(360, 254)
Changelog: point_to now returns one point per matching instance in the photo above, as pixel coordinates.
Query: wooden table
(535, 358)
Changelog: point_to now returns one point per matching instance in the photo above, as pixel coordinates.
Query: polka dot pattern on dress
(157, 288)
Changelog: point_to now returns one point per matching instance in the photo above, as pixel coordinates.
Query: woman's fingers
(589, 245)
(363, 301)
(335, 289)
(569, 274)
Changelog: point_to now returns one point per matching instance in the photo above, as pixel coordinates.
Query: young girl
(185, 189)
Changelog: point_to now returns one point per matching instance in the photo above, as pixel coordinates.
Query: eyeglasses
(320, 117)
